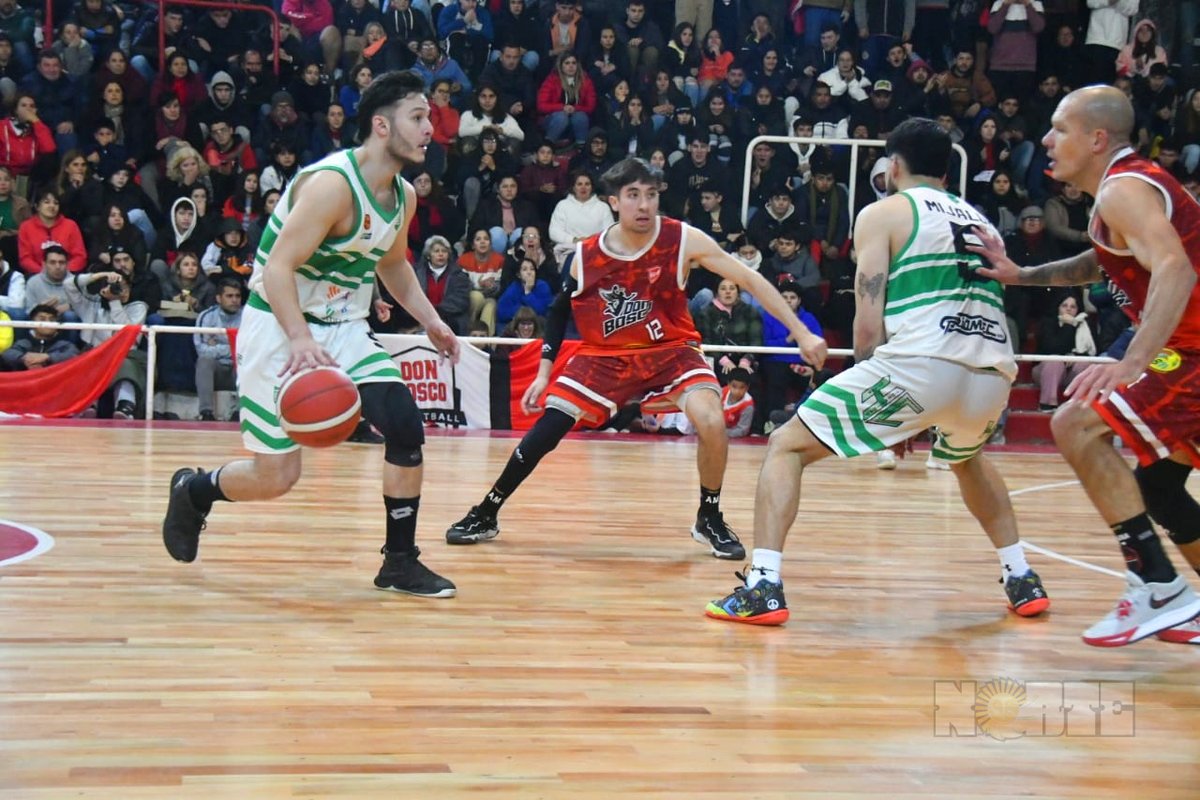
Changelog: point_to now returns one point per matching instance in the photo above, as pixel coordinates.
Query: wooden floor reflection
(576, 661)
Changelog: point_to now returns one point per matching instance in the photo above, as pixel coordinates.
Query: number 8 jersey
(637, 301)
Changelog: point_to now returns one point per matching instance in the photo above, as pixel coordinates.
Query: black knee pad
(391, 409)
(1168, 502)
(544, 436)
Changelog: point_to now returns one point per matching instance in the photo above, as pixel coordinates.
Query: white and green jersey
(336, 282)
(936, 304)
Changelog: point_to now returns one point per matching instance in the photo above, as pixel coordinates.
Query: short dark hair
(740, 374)
(923, 144)
(629, 171)
(229, 283)
(385, 92)
(51, 249)
(43, 308)
(793, 287)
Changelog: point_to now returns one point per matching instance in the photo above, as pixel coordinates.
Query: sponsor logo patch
(974, 325)
(1166, 361)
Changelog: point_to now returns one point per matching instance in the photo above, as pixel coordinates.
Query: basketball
(318, 407)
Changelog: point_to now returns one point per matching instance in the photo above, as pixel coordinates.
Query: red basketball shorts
(1160, 412)
(594, 387)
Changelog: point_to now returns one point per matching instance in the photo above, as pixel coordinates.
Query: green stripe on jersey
(990, 298)
(915, 280)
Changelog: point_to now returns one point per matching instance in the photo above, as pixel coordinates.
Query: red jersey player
(626, 293)
(1145, 232)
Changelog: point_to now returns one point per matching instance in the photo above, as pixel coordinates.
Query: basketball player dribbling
(626, 293)
(1145, 232)
(932, 350)
(341, 223)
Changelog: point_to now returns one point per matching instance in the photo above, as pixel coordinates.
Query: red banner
(69, 387)
(523, 369)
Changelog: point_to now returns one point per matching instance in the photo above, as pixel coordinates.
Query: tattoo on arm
(1074, 271)
(870, 287)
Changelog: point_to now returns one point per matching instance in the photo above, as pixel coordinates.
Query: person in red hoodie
(45, 227)
(24, 138)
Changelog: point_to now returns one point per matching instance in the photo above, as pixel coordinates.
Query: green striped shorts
(262, 350)
(886, 400)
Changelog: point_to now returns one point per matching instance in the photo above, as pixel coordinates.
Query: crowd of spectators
(160, 167)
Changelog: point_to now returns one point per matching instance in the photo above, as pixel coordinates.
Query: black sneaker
(404, 572)
(183, 523)
(365, 434)
(762, 605)
(1026, 595)
(710, 529)
(124, 410)
(472, 528)
(208, 416)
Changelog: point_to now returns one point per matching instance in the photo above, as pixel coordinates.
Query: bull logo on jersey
(622, 309)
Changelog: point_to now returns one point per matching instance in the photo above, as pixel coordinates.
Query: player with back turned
(932, 350)
(626, 292)
(341, 223)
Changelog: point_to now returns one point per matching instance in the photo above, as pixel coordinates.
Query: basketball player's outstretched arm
(398, 276)
(872, 245)
(1134, 212)
(318, 204)
(1077, 270)
(700, 248)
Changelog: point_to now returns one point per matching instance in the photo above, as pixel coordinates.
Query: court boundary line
(1028, 545)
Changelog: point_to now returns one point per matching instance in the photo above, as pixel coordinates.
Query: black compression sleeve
(556, 322)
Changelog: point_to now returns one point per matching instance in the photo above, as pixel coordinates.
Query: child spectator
(785, 372)
(229, 256)
(45, 346)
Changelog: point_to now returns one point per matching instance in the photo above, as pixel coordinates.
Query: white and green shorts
(884, 401)
(262, 350)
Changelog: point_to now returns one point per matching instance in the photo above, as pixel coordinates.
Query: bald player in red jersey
(1145, 233)
(626, 292)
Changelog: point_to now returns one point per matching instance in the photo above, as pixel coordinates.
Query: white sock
(765, 565)
(125, 391)
(1012, 560)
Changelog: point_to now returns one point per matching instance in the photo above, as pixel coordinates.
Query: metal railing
(852, 183)
(234, 7)
(152, 332)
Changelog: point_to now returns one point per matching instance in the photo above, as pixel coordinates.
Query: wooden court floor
(575, 661)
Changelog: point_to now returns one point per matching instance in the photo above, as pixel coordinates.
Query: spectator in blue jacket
(58, 101)
(527, 290)
(785, 372)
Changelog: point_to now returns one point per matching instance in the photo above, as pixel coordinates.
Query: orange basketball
(318, 407)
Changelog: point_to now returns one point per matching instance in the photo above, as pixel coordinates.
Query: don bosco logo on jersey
(622, 309)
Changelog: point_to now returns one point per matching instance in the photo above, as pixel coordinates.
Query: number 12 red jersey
(637, 301)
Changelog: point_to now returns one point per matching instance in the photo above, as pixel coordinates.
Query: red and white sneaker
(1187, 633)
(1144, 609)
